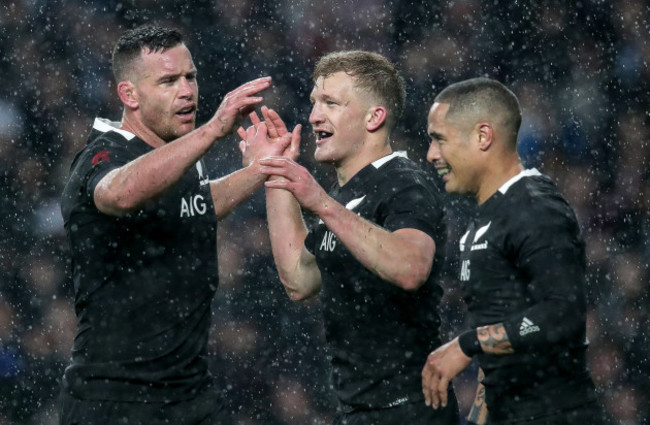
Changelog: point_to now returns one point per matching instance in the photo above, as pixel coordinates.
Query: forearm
(490, 339)
(299, 275)
(553, 322)
(478, 412)
(403, 258)
(231, 190)
(532, 330)
(557, 313)
(149, 176)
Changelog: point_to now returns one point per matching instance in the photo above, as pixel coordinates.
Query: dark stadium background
(580, 69)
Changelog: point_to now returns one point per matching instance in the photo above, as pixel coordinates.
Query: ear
(128, 96)
(376, 118)
(485, 133)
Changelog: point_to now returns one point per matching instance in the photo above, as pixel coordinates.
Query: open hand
(238, 103)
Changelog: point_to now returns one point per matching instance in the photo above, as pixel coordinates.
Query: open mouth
(322, 135)
(443, 171)
(186, 112)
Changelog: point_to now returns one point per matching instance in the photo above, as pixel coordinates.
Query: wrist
(255, 169)
(215, 128)
(469, 343)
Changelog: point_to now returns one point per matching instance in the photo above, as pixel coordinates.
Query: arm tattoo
(494, 339)
(478, 412)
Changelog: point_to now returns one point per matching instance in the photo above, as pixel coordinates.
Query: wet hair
(371, 72)
(129, 47)
(481, 98)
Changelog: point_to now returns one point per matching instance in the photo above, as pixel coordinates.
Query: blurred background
(579, 68)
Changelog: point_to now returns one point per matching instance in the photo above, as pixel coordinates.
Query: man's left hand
(441, 367)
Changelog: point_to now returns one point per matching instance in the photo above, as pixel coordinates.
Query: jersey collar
(525, 173)
(104, 126)
(381, 161)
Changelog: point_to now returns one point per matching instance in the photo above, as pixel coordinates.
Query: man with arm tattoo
(522, 271)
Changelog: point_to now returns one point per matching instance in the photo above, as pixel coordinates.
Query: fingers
(241, 133)
(434, 383)
(430, 379)
(273, 131)
(242, 146)
(252, 87)
(281, 183)
(244, 105)
(261, 129)
(441, 391)
(275, 161)
(285, 141)
(295, 138)
(274, 117)
(426, 379)
(254, 118)
(250, 133)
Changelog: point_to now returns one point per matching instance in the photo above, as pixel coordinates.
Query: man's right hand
(237, 104)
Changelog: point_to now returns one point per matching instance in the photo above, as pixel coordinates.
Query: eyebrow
(174, 76)
(324, 97)
(436, 135)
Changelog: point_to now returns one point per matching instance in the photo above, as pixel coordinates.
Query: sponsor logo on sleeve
(527, 327)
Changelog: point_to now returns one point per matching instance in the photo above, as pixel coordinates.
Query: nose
(186, 89)
(433, 154)
(316, 116)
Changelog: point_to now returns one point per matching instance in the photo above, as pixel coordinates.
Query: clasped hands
(276, 149)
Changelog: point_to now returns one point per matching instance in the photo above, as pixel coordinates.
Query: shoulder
(404, 171)
(534, 204)
(541, 195)
(110, 148)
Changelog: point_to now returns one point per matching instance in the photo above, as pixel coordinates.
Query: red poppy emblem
(100, 157)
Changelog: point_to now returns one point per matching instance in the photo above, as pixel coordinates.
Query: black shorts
(587, 414)
(411, 414)
(207, 408)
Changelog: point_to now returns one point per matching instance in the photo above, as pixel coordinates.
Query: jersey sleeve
(416, 204)
(94, 162)
(550, 253)
(101, 160)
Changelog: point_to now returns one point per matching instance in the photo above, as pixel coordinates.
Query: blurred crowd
(580, 70)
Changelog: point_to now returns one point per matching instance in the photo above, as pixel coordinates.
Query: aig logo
(193, 205)
(329, 242)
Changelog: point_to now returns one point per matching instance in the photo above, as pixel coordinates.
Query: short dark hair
(371, 72)
(483, 97)
(131, 43)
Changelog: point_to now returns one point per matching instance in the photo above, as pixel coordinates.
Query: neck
(495, 177)
(133, 125)
(348, 169)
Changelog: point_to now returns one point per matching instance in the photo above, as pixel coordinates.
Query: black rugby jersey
(523, 264)
(143, 282)
(379, 335)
